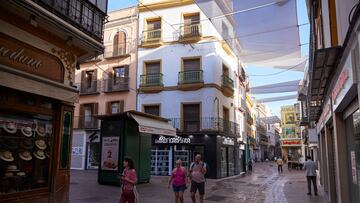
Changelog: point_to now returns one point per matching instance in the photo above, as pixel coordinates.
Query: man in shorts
(197, 173)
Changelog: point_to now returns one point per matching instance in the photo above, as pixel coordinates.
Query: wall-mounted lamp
(32, 20)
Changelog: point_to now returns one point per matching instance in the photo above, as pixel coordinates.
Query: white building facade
(188, 74)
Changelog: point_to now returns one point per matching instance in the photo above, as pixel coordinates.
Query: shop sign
(24, 57)
(172, 140)
(353, 167)
(291, 142)
(343, 84)
(109, 153)
(325, 115)
(228, 141)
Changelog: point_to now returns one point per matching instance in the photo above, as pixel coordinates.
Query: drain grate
(216, 198)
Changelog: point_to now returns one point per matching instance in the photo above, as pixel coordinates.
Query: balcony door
(153, 29)
(152, 72)
(192, 70)
(191, 24)
(119, 47)
(191, 117)
(152, 109)
(88, 81)
(87, 113)
(226, 117)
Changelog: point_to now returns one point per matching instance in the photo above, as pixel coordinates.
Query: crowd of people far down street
(195, 176)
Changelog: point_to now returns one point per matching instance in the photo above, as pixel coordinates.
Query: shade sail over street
(290, 86)
(275, 99)
(262, 33)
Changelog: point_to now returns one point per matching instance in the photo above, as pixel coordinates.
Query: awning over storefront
(147, 123)
(321, 73)
(153, 126)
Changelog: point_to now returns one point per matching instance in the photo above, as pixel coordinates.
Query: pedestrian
(179, 181)
(128, 179)
(310, 171)
(280, 164)
(250, 165)
(197, 173)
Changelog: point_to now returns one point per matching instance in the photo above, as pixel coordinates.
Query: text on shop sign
(292, 142)
(20, 57)
(172, 140)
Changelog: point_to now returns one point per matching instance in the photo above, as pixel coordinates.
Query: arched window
(119, 44)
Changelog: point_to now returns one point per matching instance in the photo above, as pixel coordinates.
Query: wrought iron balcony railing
(86, 122)
(91, 87)
(116, 84)
(242, 74)
(151, 35)
(227, 82)
(193, 76)
(80, 13)
(117, 50)
(150, 80)
(209, 124)
(193, 30)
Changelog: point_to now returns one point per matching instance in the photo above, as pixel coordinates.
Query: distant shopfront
(220, 153)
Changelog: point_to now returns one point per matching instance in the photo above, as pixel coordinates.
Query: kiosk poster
(109, 153)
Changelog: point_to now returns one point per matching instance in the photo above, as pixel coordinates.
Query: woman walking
(128, 179)
(179, 181)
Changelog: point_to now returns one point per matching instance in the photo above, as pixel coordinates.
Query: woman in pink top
(129, 180)
(179, 181)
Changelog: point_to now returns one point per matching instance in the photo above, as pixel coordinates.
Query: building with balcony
(333, 95)
(107, 85)
(291, 141)
(41, 43)
(252, 143)
(185, 74)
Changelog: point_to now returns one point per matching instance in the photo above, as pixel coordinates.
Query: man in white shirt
(310, 172)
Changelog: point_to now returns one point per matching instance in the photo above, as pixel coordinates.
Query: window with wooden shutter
(191, 64)
(192, 19)
(152, 67)
(114, 107)
(152, 109)
(119, 44)
(225, 70)
(154, 24)
(191, 117)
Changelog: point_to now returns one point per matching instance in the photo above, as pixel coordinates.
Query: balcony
(242, 75)
(81, 14)
(227, 85)
(151, 38)
(190, 33)
(116, 84)
(119, 50)
(151, 83)
(206, 125)
(86, 122)
(190, 80)
(87, 88)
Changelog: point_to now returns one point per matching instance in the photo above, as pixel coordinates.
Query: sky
(252, 71)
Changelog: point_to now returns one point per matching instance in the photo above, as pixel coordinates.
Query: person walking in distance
(197, 173)
(280, 164)
(310, 171)
(128, 179)
(179, 181)
(250, 165)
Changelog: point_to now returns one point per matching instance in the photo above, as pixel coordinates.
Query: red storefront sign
(339, 85)
(291, 142)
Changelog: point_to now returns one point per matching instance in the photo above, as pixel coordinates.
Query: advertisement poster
(353, 167)
(110, 152)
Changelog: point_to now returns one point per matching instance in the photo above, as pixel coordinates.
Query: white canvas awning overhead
(262, 32)
(275, 99)
(290, 86)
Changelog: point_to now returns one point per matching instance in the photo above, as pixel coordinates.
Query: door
(226, 118)
(191, 117)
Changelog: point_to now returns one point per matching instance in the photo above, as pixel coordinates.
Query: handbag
(136, 194)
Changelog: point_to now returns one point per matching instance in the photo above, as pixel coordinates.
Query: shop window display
(25, 151)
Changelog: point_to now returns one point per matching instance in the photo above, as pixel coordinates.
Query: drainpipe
(218, 113)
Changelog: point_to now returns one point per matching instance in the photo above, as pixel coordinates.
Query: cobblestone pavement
(263, 185)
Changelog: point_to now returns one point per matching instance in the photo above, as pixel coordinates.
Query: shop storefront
(165, 152)
(85, 150)
(36, 112)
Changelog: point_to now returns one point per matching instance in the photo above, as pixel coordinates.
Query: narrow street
(263, 185)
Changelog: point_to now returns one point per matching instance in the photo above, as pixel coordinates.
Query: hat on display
(10, 127)
(27, 144)
(40, 131)
(6, 156)
(40, 144)
(9, 144)
(12, 168)
(25, 155)
(39, 154)
(27, 131)
(21, 174)
(9, 174)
